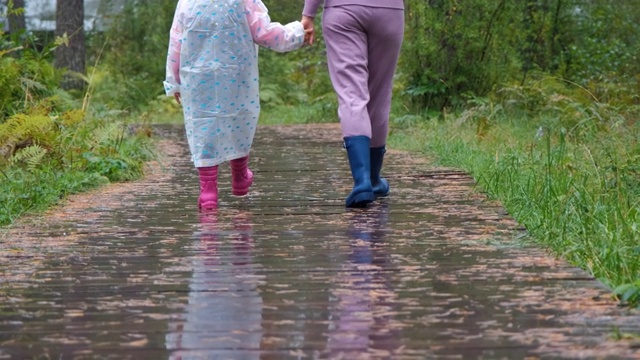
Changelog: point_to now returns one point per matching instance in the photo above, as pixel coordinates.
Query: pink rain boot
(241, 176)
(208, 199)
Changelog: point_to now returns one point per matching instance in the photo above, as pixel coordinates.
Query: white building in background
(41, 14)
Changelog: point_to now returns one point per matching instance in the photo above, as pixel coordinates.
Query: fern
(71, 118)
(22, 127)
(32, 156)
(108, 134)
(28, 83)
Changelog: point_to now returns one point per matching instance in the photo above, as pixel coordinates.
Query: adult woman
(363, 39)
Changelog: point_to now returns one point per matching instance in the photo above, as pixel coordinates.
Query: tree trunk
(71, 55)
(16, 19)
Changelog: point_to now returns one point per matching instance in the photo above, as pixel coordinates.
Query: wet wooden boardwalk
(135, 272)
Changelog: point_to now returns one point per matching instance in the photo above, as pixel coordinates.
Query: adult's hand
(178, 97)
(309, 32)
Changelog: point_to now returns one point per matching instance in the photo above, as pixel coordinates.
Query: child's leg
(208, 199)
(241, 176)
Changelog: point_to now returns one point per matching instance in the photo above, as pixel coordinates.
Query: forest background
(537, 99)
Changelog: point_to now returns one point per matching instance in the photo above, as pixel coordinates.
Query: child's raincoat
(213, 63)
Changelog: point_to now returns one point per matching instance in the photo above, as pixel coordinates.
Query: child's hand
(178, 98)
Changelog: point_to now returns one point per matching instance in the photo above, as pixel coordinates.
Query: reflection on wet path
(287, 272)
(224, 308)
(363, 298)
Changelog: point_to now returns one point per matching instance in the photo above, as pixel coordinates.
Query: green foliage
(297, 79)
(52, 143)
(27, 76)
(295, 87)
(32, 156)
(133, 52)
(25, 80)
(452, 48)
(629, 293)
(457, 48)
(64, 154)
(604, 43)
(285, 11)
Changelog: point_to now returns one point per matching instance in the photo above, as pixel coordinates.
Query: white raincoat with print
(213, 63)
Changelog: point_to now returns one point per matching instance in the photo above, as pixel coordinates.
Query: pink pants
(363, 46)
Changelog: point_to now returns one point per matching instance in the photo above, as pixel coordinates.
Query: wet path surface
(433, 271)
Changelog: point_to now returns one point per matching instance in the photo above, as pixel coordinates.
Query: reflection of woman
(363, 39)
(362, 311)
(224, 311)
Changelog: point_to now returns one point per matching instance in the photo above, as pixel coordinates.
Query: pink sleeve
(172, 80)
(269, 34)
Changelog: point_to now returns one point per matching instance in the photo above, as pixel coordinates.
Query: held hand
(178, 98)
(308, 37)
(307, 23)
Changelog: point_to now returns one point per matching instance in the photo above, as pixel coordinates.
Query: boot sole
(381, 195)
(361, 200)
(381, 189)
(208, 206)
(240, 192)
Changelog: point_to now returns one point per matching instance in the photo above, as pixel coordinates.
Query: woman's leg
(347, 57)
(385, 30)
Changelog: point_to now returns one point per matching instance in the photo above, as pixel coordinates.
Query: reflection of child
(212, 70)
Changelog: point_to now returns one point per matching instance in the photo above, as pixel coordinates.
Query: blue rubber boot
(360, 163)
(379, 184)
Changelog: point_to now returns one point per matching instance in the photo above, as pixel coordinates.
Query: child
(212, 71)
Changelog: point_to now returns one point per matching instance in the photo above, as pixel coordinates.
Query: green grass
(23, 192)
(318, 112)
(578, 199)
(575, 188)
